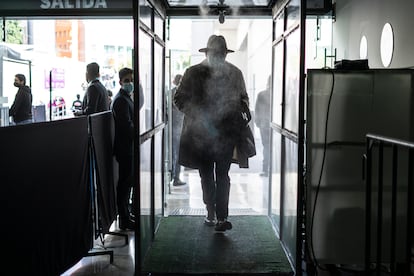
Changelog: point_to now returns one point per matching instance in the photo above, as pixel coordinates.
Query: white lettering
(87, 5)
(45, 4)
(71, 4)
(68, 5)
(57, 4)
(100, 4)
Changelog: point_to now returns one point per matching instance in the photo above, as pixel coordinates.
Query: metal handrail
(372, 139)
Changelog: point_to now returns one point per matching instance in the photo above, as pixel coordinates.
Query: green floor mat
(184, 245)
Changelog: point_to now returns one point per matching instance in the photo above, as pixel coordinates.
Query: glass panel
(145, 187)
(158, 190)
(318, 40)
(276, 169)
(277, 83)
(293, 13)
(279, 25)
(292, 81)
(158, 25)
(158, 84)
(37, 46)
(289, 197)
(145, 80)
(145, 13)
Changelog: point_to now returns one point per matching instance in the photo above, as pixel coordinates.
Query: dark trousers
(124, 185)
(215, 183)
(265, 136)
(176, 168)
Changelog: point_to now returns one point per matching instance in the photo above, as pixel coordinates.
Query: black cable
(314, 260)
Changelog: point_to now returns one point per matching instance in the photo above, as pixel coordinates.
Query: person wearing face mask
(123, 112)
(21, 109)
(96, 96)
(212, 95)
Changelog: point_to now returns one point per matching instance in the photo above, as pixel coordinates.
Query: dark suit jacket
(123, 112)
(21, 108)
(96, 98)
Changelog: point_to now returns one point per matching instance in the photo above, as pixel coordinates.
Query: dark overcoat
(211, 99)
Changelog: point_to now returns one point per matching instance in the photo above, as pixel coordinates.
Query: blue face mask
(128, 87)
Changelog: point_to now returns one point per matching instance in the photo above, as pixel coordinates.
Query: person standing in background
(176, 123)
(110, 94)
(123, 113)
(21, 109)
(77, 104)
(96, 96)
(262, 120)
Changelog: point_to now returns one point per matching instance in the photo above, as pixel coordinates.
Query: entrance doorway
(251, 40)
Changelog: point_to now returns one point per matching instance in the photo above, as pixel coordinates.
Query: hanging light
(221, 16)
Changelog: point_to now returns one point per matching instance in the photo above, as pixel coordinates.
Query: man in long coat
(211, 95)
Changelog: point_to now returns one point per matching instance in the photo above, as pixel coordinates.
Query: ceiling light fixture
(222, 14)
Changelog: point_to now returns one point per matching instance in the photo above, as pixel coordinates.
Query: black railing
(396, 145)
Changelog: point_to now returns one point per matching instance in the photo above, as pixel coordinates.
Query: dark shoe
(127, 224)
(178, 183)
(210, 221)
(223, 225)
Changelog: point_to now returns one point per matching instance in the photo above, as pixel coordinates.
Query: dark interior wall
(355, 18)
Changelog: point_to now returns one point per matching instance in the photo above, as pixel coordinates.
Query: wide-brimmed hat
(216, 43)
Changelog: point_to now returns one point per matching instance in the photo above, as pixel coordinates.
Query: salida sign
(73, 4)
(19, 6)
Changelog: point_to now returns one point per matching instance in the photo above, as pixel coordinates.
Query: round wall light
(363, 48)
(387, 44)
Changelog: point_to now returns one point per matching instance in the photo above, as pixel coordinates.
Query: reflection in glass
(276, 180)
(290, 197)
(292, 81)
(158, 25)
(387, 44)
(145, 197)
(280, 25)
(158, 83)
(158, 189)
(145, 13)
(293, 13)
(145, 79)
(277, 84)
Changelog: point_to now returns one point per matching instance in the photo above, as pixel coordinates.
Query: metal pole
(394, 207)
(50, 95)
(379, 206)
(409, 211)
(368, 207)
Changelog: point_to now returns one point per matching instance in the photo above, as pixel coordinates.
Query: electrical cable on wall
(314, 260)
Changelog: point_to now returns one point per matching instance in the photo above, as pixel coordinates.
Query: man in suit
(262, 120)
(123, 113)
(176, 122)
(96, 96)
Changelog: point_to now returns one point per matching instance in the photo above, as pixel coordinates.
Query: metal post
(379, 206)
(50, 95)
(394, 208)
(409, 211)
(368, 199)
